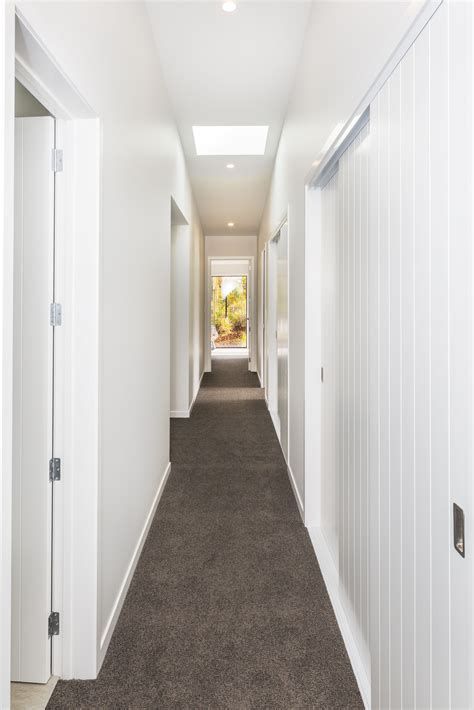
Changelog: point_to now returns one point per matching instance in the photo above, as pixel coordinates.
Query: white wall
(6, 335)
(142, 166)
(421, 273)
(227, 247)
(334, 73)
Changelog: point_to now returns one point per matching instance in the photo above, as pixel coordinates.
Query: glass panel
(229, 312)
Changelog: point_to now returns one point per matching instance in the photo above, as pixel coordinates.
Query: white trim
(78, 241)
(299, 502)
(331, 580)
(186, 413)
(7, 53)
(252, 344)
(259, 379)
(296, 492)
(38, 71)
(325, 157)
(117, 607)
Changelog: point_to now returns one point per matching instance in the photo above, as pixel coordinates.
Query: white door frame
(251, 311)
(76, 544)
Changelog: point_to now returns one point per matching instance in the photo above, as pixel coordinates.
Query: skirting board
(296, 492)
(117, 608)
(331, 579)
(299, 502)
(186, 413)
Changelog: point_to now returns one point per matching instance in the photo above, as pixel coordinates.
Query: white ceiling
(229, 69)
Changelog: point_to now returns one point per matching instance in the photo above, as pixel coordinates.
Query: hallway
(227, 608)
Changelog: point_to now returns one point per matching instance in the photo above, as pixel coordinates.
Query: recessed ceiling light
(230, 224)
(229, 6)
(231, 166)
(230, 140)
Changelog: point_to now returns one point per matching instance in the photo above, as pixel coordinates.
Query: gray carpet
(227, 608)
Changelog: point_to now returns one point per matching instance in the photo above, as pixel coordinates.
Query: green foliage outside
(230, 314)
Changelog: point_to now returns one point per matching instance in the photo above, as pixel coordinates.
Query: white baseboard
(259, 378)
(276, 422)
(186, 413)
(296, 492)
(299, 502)
(331, 579)
(122, 593)
(196, 393)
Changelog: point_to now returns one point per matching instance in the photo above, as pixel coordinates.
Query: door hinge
(57, 160)
(53, 624)
(55, 469)
(55, 314)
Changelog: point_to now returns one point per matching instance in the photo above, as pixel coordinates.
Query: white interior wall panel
(344, 454)
(420, 262)
(330, 485)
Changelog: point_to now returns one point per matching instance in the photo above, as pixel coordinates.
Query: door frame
(77, 396)
(251, 309)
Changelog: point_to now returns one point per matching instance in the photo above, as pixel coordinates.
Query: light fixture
(230, 140)
(229, 6)
(231, 166)
(230, 224)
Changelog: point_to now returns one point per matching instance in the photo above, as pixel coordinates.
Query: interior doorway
(276, 334)
(229, 312)
(36, 466)
(230, 308)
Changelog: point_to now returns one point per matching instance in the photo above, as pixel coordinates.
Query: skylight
(230, 140)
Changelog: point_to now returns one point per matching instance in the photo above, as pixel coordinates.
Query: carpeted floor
(227, 608)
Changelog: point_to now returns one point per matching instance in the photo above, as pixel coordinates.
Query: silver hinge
(55, 314)
(55, 469)
(322, 374)
(57, 160)
(53, 624)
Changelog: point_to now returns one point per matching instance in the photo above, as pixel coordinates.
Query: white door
(32, 398)
(282, 336)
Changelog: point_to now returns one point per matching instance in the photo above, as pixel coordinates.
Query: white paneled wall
(344, 441)
(420, 315)
(396, 399)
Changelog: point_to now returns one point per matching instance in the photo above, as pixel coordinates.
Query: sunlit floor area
(31, 696)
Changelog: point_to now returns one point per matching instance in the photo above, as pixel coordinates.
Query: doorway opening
(230, 308)
(229, 319)
(34, 380)
(276, 331)
(54, 271)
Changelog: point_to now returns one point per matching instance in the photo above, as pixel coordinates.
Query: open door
(33, 385)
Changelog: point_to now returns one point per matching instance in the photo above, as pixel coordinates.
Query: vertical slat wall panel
(384, 394)
(422, 371)
(408, 481)
(460, 316)
(329, 448)
(394, 328)
(374, 400)
(440, 494)
(364, 382)
(345, 222)
(420, 376)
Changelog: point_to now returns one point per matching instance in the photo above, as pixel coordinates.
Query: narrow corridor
(227, 608)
